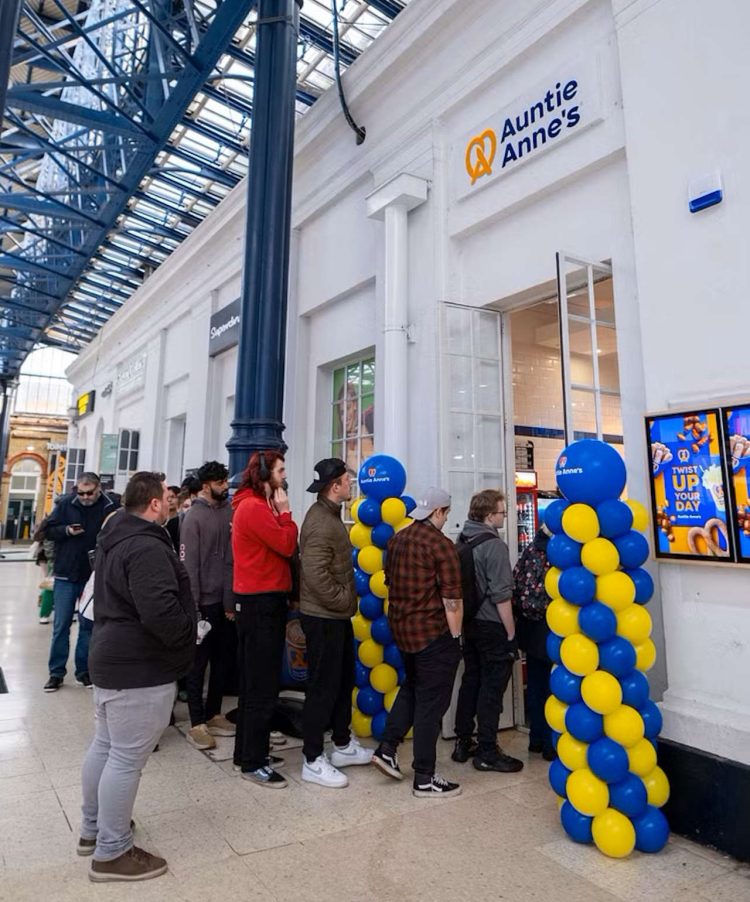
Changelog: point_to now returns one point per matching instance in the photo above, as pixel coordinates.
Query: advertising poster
(737, 442)
(689, 490)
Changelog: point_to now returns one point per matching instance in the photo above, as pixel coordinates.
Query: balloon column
(378, 514)
(604, 725)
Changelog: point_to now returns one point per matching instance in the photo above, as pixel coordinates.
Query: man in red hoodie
(264, 539)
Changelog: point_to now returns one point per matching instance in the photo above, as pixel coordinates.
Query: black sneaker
(432, 787)
(265, 776)
(84, 681)
(536, 748)
(387, 762)
(549, 754)
(464, 749)
(499, 762)
(53, 684)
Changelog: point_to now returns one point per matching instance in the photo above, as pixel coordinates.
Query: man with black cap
(328, 600)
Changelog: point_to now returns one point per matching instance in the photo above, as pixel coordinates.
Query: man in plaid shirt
(425, 612)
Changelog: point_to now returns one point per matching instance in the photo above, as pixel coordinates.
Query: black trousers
(261, 628)
(214, 652)
(330, 681)
(423, 700)
(537, 692)
(488, 663)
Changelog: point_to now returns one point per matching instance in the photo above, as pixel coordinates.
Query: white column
(392, 203)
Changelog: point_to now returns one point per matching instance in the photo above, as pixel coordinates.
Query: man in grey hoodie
(490, 638)
(206, 552)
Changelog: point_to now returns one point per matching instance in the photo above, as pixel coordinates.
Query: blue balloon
(378, 725)
(554, 738)
(608, 760)
(634, 689)
(563, 552)
(644, 585)
(590, 471)
(629, 796)
(565, 685)
(558, 777)
(652, 719)
(369, 512)
(597, 621)
(577, 585)
(381, 534)
(392, 656)
(369, 701)
(553, 515)
(553, 647)
(370, 605)
(381, 630)
(361, 581)
(409, 503)
(576, 825)
(382, 476)
(651, 830)
(617, 656)
(401, 676)
(615, 518)
(361, 674)
(355, 552)
(633, 549)
(583, 723)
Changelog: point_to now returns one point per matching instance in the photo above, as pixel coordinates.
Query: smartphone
(285, 485)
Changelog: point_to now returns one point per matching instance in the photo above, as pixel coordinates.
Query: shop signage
(737, 443)
(131, 375)
(108, 452)
(224, 332)
(85, 403)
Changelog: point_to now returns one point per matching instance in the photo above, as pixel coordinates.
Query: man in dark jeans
(425, 613)
(490, 642)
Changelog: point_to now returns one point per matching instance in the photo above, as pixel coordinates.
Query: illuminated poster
(737, 442)
(689, 486)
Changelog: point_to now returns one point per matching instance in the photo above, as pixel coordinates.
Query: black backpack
(530, 598)
(465, 548)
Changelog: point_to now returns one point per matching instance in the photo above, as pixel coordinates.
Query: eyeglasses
(86, 494)
(503, 512)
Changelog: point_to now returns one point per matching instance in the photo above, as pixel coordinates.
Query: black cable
(359, 131)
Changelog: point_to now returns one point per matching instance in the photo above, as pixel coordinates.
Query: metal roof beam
(214, 133)
(319, 37)
(54, 209)
(387, 7)
(185, 215)
(205, 167)
(24, 98)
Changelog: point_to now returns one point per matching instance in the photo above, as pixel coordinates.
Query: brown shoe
(201, 738)
(135, 864)
(220, 726)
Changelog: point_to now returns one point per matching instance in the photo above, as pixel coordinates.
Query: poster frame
(732, 495)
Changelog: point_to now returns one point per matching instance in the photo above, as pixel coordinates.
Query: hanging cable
(359, 131)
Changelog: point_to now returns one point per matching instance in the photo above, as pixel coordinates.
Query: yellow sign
(480, 154)
(85, 403)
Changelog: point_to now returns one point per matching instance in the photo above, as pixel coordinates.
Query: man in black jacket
(73, 526)
(143, 641)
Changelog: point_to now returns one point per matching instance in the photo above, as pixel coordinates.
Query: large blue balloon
(583, 723)
(644, 584)
(382, 476)
(608, 760)
(369, 701)
(615, 518)
(558, 777)
(361, 581)
(409, 503)
(590, 471)
(563, 552)
(553, 515)
(361, 674)
(369, 511)
(378, 725)
(381, 631)
(355, 553)
(370, 605)
(651, 830)
(392, 656)
(381, 534)
(629, 796)
(565, 685)
(617, 656)
(577, 585)
(634, 689)
(633, 549)
(553, 647)
(597, 621)
(575, 824)
(652, 719)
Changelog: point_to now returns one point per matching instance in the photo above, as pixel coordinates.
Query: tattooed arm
(454, 614)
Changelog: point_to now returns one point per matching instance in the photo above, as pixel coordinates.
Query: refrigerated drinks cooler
(527, 507)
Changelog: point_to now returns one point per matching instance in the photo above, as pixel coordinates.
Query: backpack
(465, 548)
(530, 598)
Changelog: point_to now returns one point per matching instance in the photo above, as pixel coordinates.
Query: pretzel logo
(480, 154)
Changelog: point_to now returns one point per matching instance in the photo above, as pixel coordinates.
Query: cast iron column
(259, 398)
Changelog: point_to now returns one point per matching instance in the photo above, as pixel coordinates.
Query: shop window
(352, 413)
(75, 465)
(127, 452)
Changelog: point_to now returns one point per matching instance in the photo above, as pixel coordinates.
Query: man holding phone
(74, 525)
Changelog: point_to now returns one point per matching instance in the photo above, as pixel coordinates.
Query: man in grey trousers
(143, 642)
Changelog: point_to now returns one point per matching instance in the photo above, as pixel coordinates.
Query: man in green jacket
(328, 600)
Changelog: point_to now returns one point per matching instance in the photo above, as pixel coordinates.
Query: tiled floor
(225, 839)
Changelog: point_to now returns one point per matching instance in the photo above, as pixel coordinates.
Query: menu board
(689, 486)
(737, 443)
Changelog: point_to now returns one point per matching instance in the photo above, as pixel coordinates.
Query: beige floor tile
(19, 767)
(731, 887)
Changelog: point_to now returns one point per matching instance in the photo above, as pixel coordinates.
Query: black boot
(464, 749)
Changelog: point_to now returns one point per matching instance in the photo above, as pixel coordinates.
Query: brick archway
(24, 455)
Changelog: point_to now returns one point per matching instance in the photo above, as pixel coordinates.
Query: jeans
(129, 723)
(423, 699)
(537, 692)
(212, 652)
(330, 681)
(488, 662)
(66, 593)
(261, 629)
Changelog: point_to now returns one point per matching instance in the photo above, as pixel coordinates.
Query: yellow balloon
(640, 515)
(390, 698)
(601, 692)
(355, 692)
(572, 752)
(634, 624)
(617, 590)
(377, 584)
(370, 559)
(361, 723)
(579, 654)
(587, 793)
(360, 535)
(554, 711)
(371, 653)
(361, 627)
(657, 787)
(580, 522)
(407, 521)
(613, 833)
(551, 579)
(641, 758)
(384, 678)
(385, 606)
(624, 725)
(645, 655)
(354, 508)
(410, 734)
(600, 557)
(393, 511)
(562, 617)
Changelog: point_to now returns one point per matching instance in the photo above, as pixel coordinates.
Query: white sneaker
(322, 772)
(353, 753)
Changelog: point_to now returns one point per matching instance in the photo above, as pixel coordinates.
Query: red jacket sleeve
(279, 533)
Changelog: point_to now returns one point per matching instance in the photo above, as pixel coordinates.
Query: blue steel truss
(125, 123)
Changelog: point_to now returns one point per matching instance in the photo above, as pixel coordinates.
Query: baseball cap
(326, 471)
(430, 501)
